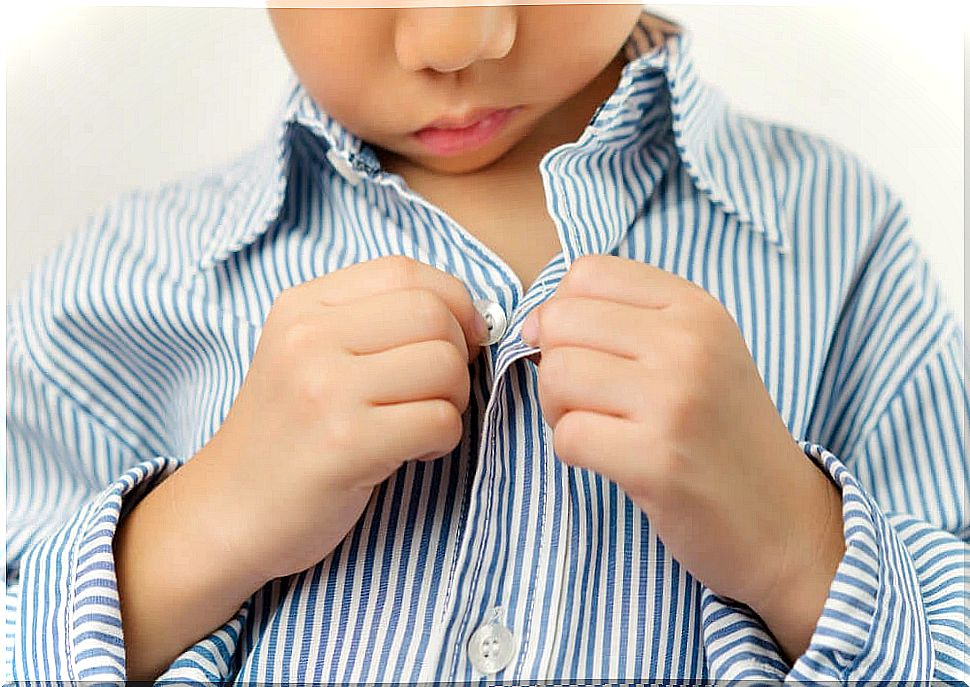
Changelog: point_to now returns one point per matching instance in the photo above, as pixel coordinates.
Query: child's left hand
(646, 379)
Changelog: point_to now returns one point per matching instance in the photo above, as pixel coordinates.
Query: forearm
(896, 605)
(177, 577)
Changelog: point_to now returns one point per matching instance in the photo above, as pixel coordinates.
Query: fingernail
(481, 327)
(530, 329)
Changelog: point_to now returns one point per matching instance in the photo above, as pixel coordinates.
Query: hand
(646, 379)
(355, 373)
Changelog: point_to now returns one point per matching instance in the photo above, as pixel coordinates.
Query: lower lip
(453, 141)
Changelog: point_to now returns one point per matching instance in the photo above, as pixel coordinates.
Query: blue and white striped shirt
(128, 344)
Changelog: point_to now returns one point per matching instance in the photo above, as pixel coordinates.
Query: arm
(889, 430)
(177, 581)
(72, 475)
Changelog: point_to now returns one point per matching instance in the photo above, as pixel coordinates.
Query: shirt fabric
(128, 344)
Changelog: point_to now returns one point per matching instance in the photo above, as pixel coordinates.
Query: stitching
(542, 525)
(481, 552)
(461, 528)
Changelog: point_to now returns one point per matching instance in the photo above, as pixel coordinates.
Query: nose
(449, 39)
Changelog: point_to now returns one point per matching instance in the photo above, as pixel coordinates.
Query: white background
(104, 99)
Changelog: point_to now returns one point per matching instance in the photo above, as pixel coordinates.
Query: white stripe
(128, 344)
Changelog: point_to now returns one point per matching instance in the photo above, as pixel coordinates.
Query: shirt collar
(723, 152)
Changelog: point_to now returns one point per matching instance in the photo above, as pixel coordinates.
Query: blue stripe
(128, 345)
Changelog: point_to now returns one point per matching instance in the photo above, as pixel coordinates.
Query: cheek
(338, 87)
(593, 33)
(335, 53)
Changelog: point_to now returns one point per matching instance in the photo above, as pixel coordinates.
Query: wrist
(174, 583)
(214, 499)
(791, 608)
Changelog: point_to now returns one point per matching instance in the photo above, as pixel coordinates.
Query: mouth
(465, 120)
(457, 134)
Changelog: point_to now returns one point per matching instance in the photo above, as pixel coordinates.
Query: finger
(584, 379)
(391, 273)
(601, 443)
(609, 326)
(418, 429)
(396, 318)
(418, 371)
(627, 281)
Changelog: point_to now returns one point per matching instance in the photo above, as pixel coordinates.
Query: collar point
(775, 232)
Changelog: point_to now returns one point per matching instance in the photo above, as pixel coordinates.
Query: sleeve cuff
(873, 625)
(69, 611)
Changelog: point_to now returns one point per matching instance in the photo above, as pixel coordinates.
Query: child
(517, 354)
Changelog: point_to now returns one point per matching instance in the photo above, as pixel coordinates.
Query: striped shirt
(128, 344)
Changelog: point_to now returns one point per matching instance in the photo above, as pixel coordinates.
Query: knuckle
(463, 388)
(693, 351)
(555, 314)
(555, 369)
(681, 413)
(429, 312)
(286, 302)
(445, 420)
(464, 395)
(450, 372)
(402, 270)
(711, 312)
(310, 391)
(582, 272)
(298, 337)
(340, 433)
(445, 360)
(451, 359)
(568, 437)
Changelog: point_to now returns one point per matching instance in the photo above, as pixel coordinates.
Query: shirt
(128, 344)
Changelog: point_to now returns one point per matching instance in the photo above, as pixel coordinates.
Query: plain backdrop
(103, 99)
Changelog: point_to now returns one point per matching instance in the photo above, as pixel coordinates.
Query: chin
(457, 164)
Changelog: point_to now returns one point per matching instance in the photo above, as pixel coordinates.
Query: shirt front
(127, 346)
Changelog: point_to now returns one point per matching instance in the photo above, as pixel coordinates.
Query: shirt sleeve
(71, 477)
(888, 429)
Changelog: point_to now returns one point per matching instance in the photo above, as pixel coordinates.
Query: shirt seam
(942, 340)
(34, 368)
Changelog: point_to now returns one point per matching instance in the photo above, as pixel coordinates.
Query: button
(492, 646)
(343, 166)
(494, 317)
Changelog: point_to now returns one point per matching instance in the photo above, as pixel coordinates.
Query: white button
(494, 318)
(343, 166)
(492, 646)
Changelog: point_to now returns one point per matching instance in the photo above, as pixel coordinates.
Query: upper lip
(463, 120)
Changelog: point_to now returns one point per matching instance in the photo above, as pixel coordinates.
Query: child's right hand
(355, 373)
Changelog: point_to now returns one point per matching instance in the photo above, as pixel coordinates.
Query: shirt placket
(493, 300)
(479, 621)
(503, 578)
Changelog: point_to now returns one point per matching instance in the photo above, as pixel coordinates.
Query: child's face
(386, 73)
